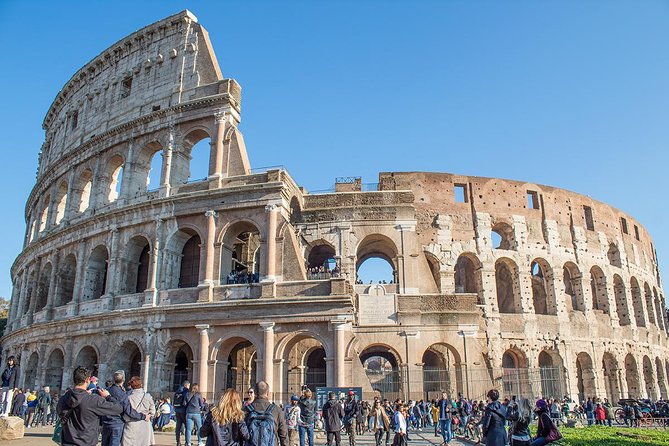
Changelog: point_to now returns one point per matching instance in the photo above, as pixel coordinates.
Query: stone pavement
(42, 437)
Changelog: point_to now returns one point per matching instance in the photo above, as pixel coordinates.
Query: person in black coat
(333, 412)
(493, 421)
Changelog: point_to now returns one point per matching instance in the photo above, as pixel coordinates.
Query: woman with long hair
(521, 418)
(225, 423)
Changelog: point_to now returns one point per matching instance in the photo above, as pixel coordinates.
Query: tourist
(380, 422)
(292, 420)
(493, 420)
(181, 397)
(224, 424)
(194, 413)
(544, 425)
(521, 417)
(260, 413)
(351, 411)
(9, 382)
(400, 426)
(112, 425)
(307, 413)
(445, 417)
(332, 415)
(139, 432)
(81, 411)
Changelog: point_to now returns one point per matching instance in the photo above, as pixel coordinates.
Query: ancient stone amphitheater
(245, 275)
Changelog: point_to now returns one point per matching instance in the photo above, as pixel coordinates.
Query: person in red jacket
(600, 414)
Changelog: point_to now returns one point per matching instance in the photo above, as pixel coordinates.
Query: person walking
(521, 417)
(112, 425)
(333, 413)
(266, 423)
(193, 414)
(80, 411)
(351, 411)
(224, 424)
(139, 432)
(380, 422)
(293, 420)
(493, 420)
(9, 382)
(307, 418)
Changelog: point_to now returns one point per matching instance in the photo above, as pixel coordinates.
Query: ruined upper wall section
(157, 67)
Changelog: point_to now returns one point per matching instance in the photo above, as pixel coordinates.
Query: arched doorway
(632, 377)
(54, 370)
(381, 365)
(585, 377)
(442, 371)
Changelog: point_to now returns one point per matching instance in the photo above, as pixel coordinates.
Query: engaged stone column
(203, 357)
(268, 355)
(270, 260)
(339, 326)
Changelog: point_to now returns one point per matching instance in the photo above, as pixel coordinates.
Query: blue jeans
(193, 418)
(112, 435)
(539, 441)
(446, 430)
(306, 431)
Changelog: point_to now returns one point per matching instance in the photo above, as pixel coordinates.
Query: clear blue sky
(573, 94)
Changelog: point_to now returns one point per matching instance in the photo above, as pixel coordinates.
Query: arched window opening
(621, 301)
(466, 275)
(44, 216)
(637, 303)
(503, 236)
(614, 256)
(96, 273)
(650, 308)
(61, 204)
(240, 254)
(189, 275)
(600, 298)
(508, 290)
(198, 169)
(321, 262)
(66, 280)
(43, 287)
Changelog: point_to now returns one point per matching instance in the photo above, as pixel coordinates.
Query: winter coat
(82, 412)
(332, 415)
(231, 434)
(493, 424)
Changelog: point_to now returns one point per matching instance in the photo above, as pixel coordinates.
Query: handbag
(554, 434)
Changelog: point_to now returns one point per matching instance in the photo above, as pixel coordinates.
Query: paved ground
(42, 437)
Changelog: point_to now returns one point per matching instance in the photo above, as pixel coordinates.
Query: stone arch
(611, 379)
(179, 269)
(648, 378)
(141, 172)
(241, 252)
(573, 286)
(95, 283)
(468, 274)
(585, 376)
(613, 254)
(112, 179)
(515, 376)
(621, 301)
(82, 190)
(632, 377)
(661, 378)
(128, 357)
(503, 236)
(600, 298)
(381, 364)
(135, 265)
(32, 367)
(551, 374)
(637, 303)
(442, 370)
(543, 287)
(67, 275)
(88, 357)
(55, 365)
(61, 202)
(377, 246)
(43, 287)
(650, 308)
(508, 286)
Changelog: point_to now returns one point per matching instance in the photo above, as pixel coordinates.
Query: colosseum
(244, 275)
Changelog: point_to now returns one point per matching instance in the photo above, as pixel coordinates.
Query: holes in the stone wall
(460, 191)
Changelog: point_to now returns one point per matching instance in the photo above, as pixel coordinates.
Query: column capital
(210, 213)
(267, 326)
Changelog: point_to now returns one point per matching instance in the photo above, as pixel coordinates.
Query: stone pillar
(268, 355)
(166, 172)
(270, 257)
(206, 286)
(203, 359)
(151, 293)
(339, 327)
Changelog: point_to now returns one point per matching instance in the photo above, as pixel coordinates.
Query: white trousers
(6, 400)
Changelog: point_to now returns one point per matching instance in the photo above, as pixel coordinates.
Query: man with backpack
(181, 398)
(333, 412)
(265, 420)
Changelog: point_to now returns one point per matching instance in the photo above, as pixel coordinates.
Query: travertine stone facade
(493, 279)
